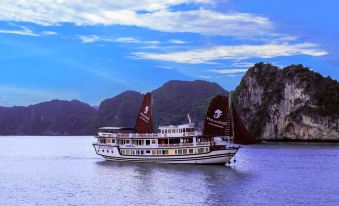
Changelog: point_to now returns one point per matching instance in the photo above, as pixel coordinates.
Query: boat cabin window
(163, 141)
(122, 142)
(201, 150)
(116, 130)
(187, 140)
(107, 130)
(188, 130)
(137, 142)
(174, 141)
(148, 142)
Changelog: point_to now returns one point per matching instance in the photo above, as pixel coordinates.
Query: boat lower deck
(221, 156)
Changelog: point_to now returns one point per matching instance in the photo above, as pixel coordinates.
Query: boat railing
(202, 143)
(122, 135)
(151, 135)
(184, 134)
(165, 145)
(177, 145)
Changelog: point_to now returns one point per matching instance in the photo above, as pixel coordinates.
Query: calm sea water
(66, 171)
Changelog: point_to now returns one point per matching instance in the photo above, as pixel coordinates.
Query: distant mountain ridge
(57, 117)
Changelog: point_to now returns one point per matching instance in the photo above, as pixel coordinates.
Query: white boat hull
(112, 153)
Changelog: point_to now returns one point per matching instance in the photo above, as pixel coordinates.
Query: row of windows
(107, 141)
(183, 130)
(108, 151)
(122, 142)
(165, 151)
(147, 142)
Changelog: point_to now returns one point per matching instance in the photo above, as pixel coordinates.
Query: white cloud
(89, 38)
(49, 33)
(95, 38)
(228, 71)
(127, 40)
(156, 15)
(234, 75)
(207, 22)
(134, 40)
(287, 38)
(240, 52)
(242, 64)
(176, 41)
(23, 31)
(26, 32)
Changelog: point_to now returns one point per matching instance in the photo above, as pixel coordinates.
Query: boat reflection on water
(182, 184)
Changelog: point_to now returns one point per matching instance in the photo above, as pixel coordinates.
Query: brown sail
(241, 134)
(144, 120)
(219, 120)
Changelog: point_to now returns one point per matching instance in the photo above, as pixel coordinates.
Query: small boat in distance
(177, 143)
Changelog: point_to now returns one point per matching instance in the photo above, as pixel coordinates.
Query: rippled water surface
(66, 171)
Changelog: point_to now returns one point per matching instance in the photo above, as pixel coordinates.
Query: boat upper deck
(148, 136)
(171, 131)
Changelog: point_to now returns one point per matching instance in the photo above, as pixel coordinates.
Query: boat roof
(192, 125)
(117, 128)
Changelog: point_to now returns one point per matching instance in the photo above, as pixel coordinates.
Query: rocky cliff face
(293, 103)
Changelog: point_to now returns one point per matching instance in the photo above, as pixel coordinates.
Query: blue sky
(92, 50)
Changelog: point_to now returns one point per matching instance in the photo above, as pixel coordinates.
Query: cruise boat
(216, 144)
